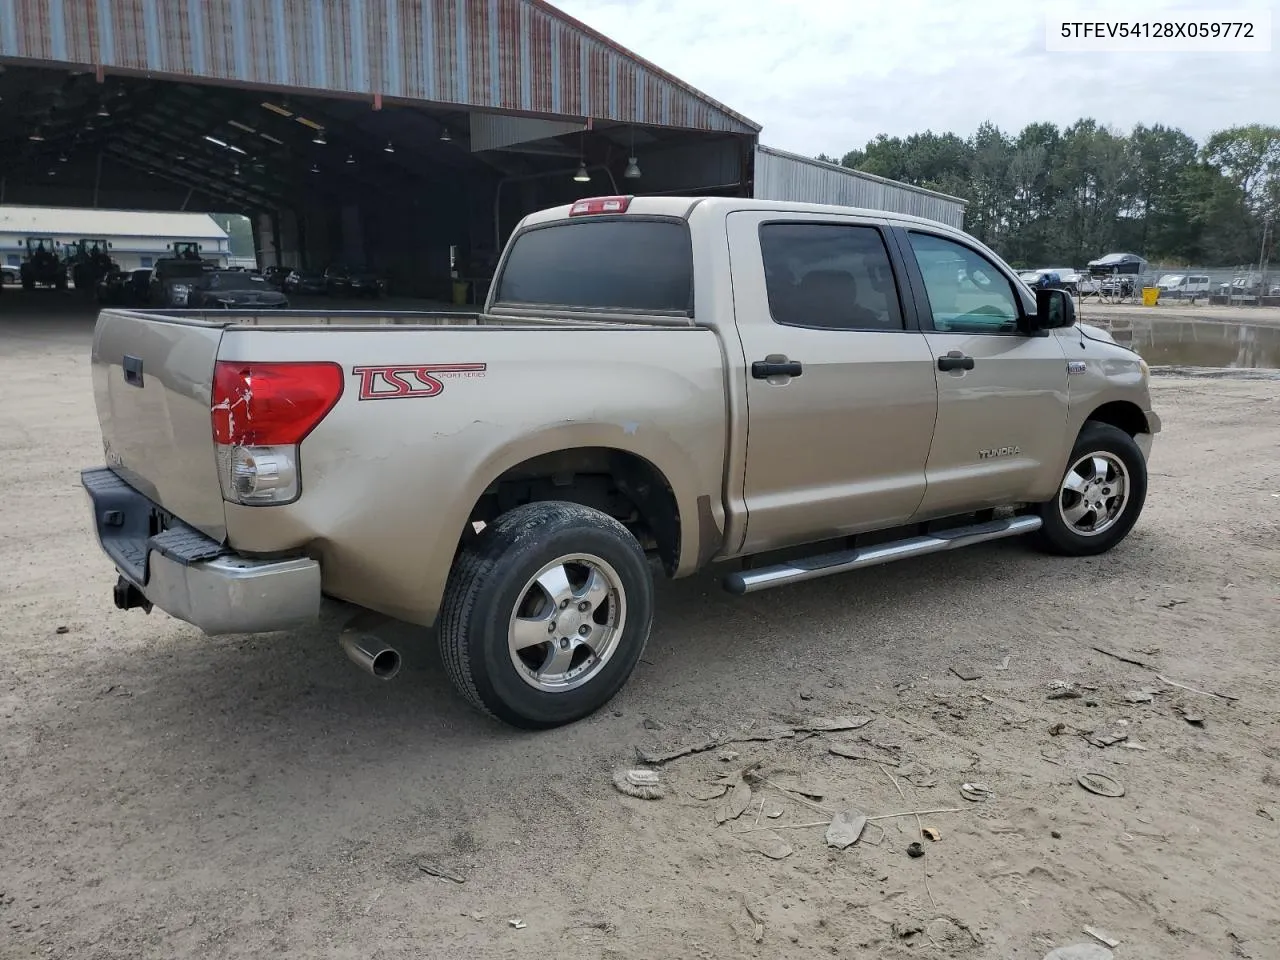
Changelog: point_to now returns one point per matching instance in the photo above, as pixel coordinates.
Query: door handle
(764, 369)
(132, 370)
(955, 360)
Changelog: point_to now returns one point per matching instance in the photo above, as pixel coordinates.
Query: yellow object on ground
(460, 292)
(1150, 295)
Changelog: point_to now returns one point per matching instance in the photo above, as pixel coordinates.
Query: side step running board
(842, 561)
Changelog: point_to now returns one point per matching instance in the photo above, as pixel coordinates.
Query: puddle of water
(1200, 343)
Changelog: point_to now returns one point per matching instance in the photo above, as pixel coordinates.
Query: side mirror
(1055, 310)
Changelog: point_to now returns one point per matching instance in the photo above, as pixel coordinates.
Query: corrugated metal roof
(788, 176)
(58, 221)
(522, 56)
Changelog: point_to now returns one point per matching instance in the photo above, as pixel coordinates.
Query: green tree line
(1066, 196)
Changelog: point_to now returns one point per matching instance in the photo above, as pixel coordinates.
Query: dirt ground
(166, 795)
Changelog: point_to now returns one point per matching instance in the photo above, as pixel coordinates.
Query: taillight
(261, 412)
(594, 205)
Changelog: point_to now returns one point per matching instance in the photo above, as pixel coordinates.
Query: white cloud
(828, 75)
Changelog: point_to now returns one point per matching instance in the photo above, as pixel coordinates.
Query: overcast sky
(825, 76)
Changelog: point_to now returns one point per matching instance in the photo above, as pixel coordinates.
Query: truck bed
(497, 393)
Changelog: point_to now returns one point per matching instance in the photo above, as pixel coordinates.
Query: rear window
(639, 266)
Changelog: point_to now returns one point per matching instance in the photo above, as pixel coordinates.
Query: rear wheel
(1101, 494)
(546, 615)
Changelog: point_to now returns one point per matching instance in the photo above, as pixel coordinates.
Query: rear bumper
(191, 576)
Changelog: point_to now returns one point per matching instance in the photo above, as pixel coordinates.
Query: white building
(137, 237)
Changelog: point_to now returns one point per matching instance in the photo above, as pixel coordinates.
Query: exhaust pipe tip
(370, 654)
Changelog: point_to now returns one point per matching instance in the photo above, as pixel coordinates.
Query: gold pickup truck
(783, 390)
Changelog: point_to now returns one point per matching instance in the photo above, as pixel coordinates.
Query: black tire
(1057, 536)
(486, 585)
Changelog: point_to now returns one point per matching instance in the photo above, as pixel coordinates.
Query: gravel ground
(166, 795)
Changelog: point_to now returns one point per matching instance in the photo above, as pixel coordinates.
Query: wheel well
(626, 487)
(1123, 414)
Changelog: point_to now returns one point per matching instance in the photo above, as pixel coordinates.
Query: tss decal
(411, 380)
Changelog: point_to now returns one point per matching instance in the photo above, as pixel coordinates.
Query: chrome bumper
(191, 576)
(233, 594)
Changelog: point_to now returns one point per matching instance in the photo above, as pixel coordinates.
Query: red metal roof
(517, 56)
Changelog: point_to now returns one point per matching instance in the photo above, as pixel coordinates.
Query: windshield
(234, 280)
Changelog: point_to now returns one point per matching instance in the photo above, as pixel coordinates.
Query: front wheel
(546, 615)
(1100, 496)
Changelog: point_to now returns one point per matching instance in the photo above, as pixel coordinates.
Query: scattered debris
(1101, 784)
(735, 804)
(435, 870)
(1057, 728)
(1204, 693)
(1081, 951)
(1091, 703)
(1170, 604)
(666, 756)
(1056, 834)
(757, 924)
(977, 792)
(644, 784)
(931, 833)
(805, 786)
(1134, 745)
(1003, 664)
(905, 929)
(1265, 814)
(967, 672)
(63, 628)
(651, 724)
(1106, 740)
(1049, 759)
(517, 924)
(1065, 693)
(1101, 936)
(1137, 696)
(770, 844)
(1192, 718)
(845, 828)
(852, 753)
(773, 813)
(832, 725)
(915, 849)
(709, 791)
(728, 756)
(1123, 658)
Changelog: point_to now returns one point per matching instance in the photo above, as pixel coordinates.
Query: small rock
(651, 724)
(1138, 696)
(967, 672)
(915, 849)
(1056, 834)
(1091, 703)
(1057, 728)
(63, 629)
(727, 756)
(806, 694)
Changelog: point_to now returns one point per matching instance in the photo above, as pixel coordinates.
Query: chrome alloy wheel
(1094, 494)
(567, 623)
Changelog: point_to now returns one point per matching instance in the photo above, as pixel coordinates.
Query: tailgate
(152, 378)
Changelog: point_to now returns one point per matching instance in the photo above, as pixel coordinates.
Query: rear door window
(619, 264)
(832, 276)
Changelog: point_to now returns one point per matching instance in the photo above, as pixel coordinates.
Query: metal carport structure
(386, 132)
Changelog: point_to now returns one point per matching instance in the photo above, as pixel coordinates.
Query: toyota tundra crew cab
(654, 385)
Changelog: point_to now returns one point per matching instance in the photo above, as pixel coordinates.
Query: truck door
(1002, 395)
(840, 391)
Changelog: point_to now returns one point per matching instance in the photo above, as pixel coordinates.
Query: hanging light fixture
(633, 168)
(350, 158)
(103, 111)
(62, 158)
(36, 136)
(319, 137)
(314, 168)
(389, 148)
(582, 176)
(445, 135)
